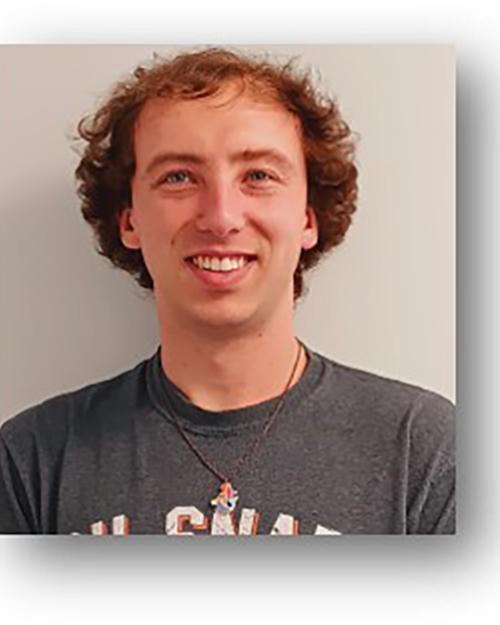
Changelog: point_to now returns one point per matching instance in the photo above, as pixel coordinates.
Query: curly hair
(107, 165)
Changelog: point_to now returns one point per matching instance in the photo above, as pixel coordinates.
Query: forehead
(226, 120)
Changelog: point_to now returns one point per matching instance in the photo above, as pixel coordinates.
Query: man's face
(221, 176)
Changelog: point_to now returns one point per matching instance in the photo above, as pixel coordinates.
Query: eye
(176, 178)
(259, 175)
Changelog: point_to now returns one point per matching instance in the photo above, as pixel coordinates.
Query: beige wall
(383, 301)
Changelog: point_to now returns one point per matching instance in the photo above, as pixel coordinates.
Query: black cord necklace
(227, 497)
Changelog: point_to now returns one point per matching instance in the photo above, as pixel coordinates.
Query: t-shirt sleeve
(431, 490)
(15, 516)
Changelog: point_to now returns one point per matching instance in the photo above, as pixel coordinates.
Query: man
(217, 180)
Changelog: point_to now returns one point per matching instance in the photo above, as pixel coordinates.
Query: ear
(128, 232)
(310, 232)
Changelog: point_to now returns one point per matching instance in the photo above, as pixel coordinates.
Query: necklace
(225, 501)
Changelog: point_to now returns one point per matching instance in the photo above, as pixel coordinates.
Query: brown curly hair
(107, 165)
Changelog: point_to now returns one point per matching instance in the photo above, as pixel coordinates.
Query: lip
(221, 253)
(220, 280)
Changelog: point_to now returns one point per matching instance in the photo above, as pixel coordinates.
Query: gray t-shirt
(350, 452)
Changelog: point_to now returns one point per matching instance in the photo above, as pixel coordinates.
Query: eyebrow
(245, 156)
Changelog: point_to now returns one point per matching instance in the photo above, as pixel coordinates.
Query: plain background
(382, 580)
(384, 300)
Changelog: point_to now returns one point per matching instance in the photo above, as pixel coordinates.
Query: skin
(232, 348)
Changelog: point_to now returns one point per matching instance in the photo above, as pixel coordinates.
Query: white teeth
(219, 264)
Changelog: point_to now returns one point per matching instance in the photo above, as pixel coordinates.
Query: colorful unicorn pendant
(225, 501)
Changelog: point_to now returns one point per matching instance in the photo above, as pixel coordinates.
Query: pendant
(225, 501)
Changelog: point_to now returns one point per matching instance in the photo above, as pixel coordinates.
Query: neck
(223, 372)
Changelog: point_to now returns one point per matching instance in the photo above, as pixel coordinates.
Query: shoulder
(373, 400)
(51, 421)
(410, 429)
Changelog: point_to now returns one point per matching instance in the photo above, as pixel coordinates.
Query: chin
(220, 316)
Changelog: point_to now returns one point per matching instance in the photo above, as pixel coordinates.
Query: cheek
(155, 214)
(287, 219)
(285, 239)
(160, 222)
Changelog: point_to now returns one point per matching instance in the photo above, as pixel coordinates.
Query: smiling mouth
(217, 264)
(221, 273)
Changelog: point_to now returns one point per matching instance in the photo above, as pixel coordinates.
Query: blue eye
(258, 175)
(176, 177)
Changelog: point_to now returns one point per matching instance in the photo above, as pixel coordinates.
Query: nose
(220, 210)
